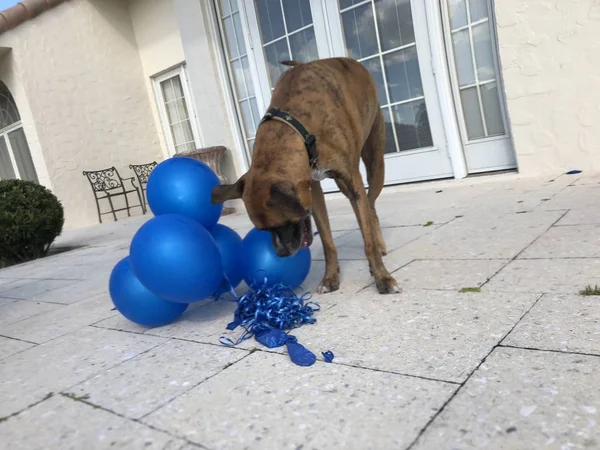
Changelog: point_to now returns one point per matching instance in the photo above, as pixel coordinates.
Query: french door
(390, 37)
(477, 88)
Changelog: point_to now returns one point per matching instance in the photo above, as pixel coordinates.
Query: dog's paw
(329, 284)
(387, 285)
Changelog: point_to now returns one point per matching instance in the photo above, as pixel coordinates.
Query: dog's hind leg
(331, 280)
(372, 155)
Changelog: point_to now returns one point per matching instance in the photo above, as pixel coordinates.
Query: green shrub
(31, 217)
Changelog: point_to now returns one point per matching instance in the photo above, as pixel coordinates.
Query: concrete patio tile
(264, 401)
(29, 376)
(20, 310)
(568, 323)
(9, 347)
(354, 276)
(33, 288)
(520, 399)
(435, 334)
(589, 216)
(66, 424)
(148, 381)
(483, 237)
(60, 321)
(351, 246)
(120, 323)
(567, 276)
(449, 274)
(581, 241)
(574, 197)
(203, 324)
(73, 293)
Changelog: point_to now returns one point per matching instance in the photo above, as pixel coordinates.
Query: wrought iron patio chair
(142, 173)
(108, 184)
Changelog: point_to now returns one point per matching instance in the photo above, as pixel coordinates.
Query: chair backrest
(143, 171)
(105, 179)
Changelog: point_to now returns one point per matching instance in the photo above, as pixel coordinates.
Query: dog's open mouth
(307, 234)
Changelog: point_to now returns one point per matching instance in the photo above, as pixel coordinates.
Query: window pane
(270, 18)
(373, 65)
(297, 14)
(249, 124)
(248, 76)
(167, 88)
(182, 109)
(472, 113)
(458, 13)
(22, 155)
(394, 21)
(178, 134)
(403, 75)
(238, 76)
(359, 32)
(412, 125)
(492, 110)
(177, 89)
(463, 58)
(255, 114)
(6, 169)
(304, 45)
(232, 47)
(225, 7)
(188, 135)
(275, 53)
(172, 112)
(239, 34)
(390, 143)
(478, 9)
(347, 3)
(484, 55)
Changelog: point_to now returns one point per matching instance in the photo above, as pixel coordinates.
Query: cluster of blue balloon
(182, 255)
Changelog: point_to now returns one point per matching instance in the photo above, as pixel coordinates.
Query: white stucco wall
(80, 70)
(159, 45)
(550, 54)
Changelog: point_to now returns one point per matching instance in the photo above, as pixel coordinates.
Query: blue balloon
(184, 186)
(137, 303)
(176, 259)
(262, 262)
(229, 244)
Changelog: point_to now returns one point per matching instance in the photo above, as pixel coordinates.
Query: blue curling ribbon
(267, 313)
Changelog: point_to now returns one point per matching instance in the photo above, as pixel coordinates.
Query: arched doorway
(15, 157)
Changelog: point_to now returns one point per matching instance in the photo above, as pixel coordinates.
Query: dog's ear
(222, 193)
(284, 197)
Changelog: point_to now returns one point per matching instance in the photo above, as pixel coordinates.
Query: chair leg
(141, 201)
(98, 209)
(112, 208)
(127, 205)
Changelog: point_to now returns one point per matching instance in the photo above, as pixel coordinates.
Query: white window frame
(162, 110)
(11, 153)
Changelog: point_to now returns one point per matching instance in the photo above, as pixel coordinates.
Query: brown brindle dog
(336, 100)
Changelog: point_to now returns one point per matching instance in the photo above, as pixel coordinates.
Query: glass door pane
(22, 155)
(381, 35)
(7, 172)
(287, 33)
(239, 69)
(476, 75)
(178, 115)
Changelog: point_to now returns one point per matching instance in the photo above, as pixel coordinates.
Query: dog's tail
(291, 63)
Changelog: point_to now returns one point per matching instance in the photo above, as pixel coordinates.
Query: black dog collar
(310, 141)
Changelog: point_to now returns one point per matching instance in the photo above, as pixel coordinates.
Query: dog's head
(278, 206)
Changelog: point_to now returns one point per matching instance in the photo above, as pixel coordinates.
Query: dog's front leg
(386, 284)
(331, 280)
